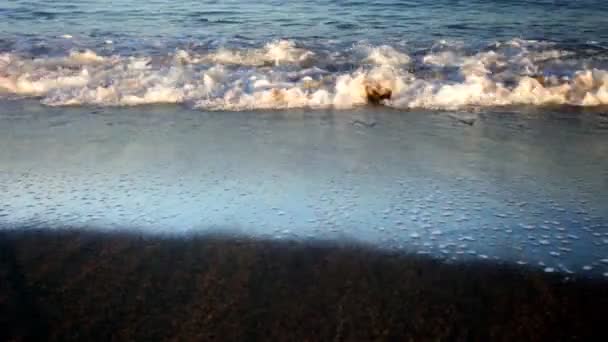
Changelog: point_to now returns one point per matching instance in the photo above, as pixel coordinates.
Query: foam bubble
(273, 53)
(282, 74)
(386, 55)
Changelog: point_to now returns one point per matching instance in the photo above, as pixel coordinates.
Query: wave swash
(283, 75)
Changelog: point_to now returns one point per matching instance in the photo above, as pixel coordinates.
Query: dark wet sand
(76, 285)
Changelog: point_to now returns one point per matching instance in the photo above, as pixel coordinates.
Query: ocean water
(234, 55)
(459, 129)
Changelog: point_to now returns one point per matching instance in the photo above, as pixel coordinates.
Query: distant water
(344, 20)
(239, 55)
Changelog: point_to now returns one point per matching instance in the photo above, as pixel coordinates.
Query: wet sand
(85, 285)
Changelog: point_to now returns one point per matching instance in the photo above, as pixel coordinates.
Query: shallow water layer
(529, 186)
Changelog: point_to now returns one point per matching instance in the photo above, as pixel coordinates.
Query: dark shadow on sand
(83, 285)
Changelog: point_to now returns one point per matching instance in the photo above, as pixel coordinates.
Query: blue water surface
(135, 22)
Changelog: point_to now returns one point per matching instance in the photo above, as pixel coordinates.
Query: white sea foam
(274, 53)
(385, 55)
(284, 75)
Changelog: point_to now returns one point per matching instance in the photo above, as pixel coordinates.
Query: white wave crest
(274, 53)
(283, 75)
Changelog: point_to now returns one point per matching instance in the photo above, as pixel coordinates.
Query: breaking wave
(282, 74)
